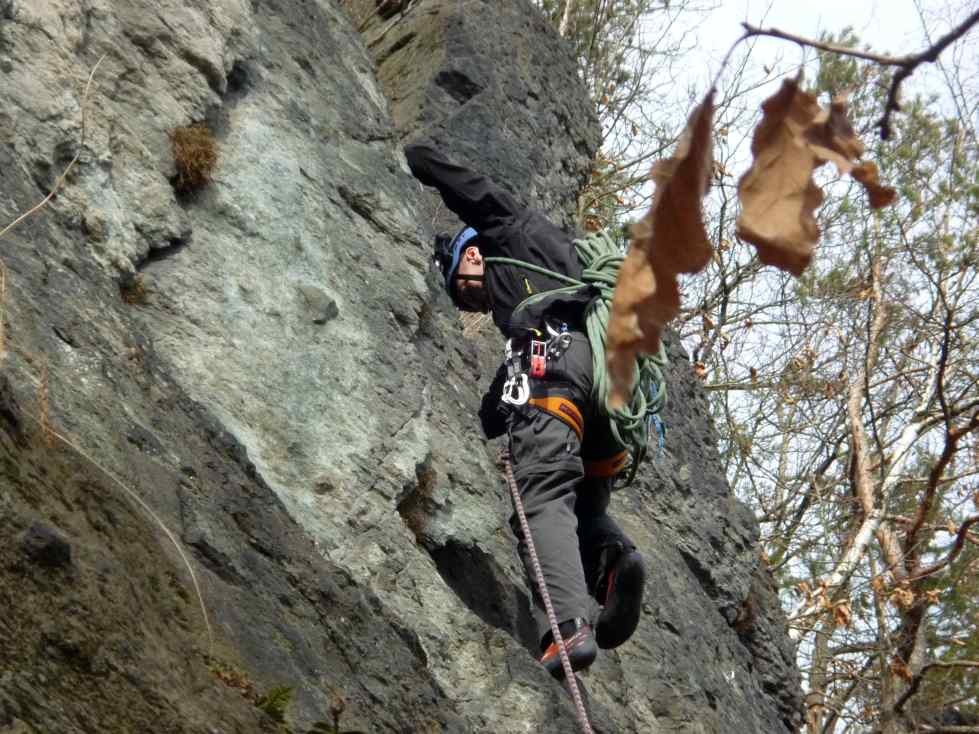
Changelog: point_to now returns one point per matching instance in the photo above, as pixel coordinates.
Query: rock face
(267, 368)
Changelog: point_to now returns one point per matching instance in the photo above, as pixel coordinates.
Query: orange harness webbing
(566, 411)
(563, 409)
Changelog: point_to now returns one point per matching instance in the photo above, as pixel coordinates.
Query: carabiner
(516, 390)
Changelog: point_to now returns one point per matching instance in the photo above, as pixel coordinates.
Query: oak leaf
(880, 195)
(670, 239)
(842, 615)
(778, 196)
(901, 669)
(777, 193)
(902, 598)
(832, 138)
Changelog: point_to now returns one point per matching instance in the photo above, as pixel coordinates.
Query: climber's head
(462, 268)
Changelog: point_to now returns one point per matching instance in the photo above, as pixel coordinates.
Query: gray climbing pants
(566, 510)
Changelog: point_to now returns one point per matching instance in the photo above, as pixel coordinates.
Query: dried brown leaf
(832, 138)
(878, 584)
(822, 598)
(841, 614)
(880, 195)
(902, 598)
(901, 669)
(669, 240)
(778, 196)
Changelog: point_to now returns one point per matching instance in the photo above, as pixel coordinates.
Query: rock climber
(562, 452)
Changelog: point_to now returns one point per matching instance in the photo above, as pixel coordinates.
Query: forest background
(847, 399)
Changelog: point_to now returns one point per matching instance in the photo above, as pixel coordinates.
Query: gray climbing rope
(569, 677)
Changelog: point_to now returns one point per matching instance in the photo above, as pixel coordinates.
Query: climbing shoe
(621, 594)
(579, 643)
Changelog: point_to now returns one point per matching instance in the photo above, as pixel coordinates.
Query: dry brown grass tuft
(195, 154)
(133, 291)
(474, 324)
(234, 678)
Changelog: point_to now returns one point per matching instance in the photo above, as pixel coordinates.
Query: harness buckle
(538, 358)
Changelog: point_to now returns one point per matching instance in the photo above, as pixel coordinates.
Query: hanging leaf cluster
(778, 198)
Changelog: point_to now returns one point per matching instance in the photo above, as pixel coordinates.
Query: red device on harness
(538, 358)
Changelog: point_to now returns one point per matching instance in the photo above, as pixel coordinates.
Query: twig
(727, 58)
(751, 30)
(929, 55)
(952, 438)
(61, 179)
(916, 683)
(960, 538)
(906, 64)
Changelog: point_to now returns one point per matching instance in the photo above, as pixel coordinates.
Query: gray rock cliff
(268, 365)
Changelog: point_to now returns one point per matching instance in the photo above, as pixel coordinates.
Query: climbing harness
(601, 260)
(569, 677)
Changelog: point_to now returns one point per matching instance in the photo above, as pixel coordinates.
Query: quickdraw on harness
(601, 259)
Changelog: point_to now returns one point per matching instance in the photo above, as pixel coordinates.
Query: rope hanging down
(601, 260)
(569, 676)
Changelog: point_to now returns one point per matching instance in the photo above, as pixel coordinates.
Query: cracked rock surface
(268, 366)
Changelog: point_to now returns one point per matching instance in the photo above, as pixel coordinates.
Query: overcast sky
(892, 26)
(889, 25)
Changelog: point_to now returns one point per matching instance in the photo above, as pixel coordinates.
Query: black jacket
(507, 229)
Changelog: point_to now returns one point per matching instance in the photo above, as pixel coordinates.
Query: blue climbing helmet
(448, 253)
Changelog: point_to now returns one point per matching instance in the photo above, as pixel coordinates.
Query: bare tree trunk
(569, 7)
(910, 649)
(816, 698)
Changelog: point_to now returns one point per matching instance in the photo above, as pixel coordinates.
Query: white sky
(891, 25)
(888, 26)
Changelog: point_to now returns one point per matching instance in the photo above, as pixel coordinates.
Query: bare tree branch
(920, 676)
(960, 538)
(906, 64)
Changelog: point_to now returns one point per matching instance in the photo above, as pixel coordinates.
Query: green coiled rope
(601, 260)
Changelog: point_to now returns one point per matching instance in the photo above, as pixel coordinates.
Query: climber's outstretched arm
(474, 198)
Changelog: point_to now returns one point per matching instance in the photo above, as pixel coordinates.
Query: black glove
(493, 412)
